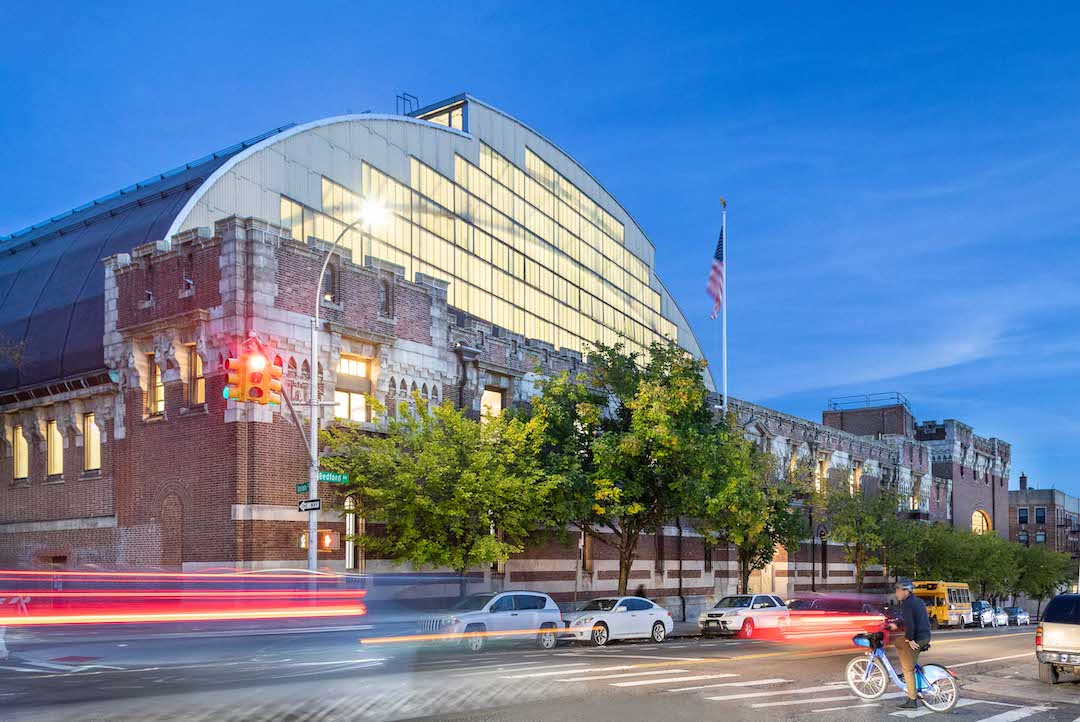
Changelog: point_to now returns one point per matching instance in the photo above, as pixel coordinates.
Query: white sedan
(608, 618)
(744, 614)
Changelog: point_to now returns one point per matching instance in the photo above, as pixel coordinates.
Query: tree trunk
(1038, 608)
(626, 560)
(744, 573)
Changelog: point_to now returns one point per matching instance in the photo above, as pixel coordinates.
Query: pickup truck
(1057, 639)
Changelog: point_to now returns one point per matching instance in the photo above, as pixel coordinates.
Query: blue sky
(902, 182)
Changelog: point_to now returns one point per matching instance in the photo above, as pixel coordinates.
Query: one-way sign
(311, 505)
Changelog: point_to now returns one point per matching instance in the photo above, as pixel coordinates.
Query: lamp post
(371, 213)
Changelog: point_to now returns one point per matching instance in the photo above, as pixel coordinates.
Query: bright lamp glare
(257, 363)
(373, 213)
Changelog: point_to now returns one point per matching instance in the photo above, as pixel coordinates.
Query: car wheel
(659, 632)
(747, 629)
(547, 638)
(599, 635)
(934, 624)
(1048, 673)
(474, 637)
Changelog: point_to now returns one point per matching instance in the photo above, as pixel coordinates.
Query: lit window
(856, 478)
(491, 403)
(350, 406)
(21, 465)
(91, 444)
(54, 445)
(980, 522)
(196, 382)
(351, 366)
(155, 389)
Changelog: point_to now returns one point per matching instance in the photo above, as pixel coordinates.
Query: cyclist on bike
(916, 636)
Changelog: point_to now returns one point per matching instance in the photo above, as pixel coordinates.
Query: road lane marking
(673, 680)
(993, 659)
(836, 686)
(1016, 714)
(529, 675)
(793, 702)
(647, 656)
(748, 683)
(620, 676)
(846, 706)
(476, 672)
(911, 714)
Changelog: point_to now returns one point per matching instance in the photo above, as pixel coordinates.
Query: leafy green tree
(1042, 572)
(901, 540)
(856, 519)
(443, 483)
(744, 500)
(625, 441)
(990, 563)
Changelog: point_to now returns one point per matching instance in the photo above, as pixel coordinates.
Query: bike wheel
(866, 677)
(942, 694)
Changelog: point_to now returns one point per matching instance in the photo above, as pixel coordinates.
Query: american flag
(715, 287)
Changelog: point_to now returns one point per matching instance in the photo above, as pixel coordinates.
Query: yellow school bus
(948, 603)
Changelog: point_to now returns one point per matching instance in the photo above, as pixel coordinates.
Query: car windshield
(733, 602)
(473, 602)
(1064, 609)
(600, 605)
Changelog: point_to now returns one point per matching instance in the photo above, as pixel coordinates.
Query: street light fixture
(372, 213)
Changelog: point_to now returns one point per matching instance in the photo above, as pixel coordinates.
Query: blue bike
(868, 676)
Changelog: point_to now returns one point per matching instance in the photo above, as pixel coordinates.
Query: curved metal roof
(52, 285)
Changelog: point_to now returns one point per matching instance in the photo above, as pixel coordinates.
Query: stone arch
(980, 522)
(424, 393)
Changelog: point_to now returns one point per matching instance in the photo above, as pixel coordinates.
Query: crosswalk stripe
(621, 676)
(478, 671)
(749, 683)
(805, 690)
(673, 680)
(792, 702)
(911, 714)
(846, 706)
(563, 671)
(994, 659)
(1015, 714)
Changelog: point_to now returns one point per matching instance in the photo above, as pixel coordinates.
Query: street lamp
(373, 214)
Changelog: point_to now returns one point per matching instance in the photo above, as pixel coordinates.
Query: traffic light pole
(313, 396)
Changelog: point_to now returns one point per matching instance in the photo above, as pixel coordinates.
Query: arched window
(424, 393)
(391, 400)
(1022, 537)
(980, 522)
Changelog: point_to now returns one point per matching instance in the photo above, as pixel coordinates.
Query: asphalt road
(330, 675)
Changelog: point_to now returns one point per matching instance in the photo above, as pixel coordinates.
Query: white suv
(743, 614)
(478, 618)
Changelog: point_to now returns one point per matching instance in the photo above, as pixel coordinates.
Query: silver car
(480, 618)
(1001, 617)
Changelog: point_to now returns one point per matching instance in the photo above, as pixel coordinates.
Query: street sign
(311, 505)
(302, 488)
(333, 477)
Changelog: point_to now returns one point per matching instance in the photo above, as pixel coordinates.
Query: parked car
(1018, 615)
(601, 620)
(1057, 638)
(1001, 617)
(478, 618)
(743, 614)
(983, 614)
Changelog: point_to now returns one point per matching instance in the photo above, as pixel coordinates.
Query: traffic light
(273, 385)
(255, 378)
(234, 383)
(329, 541)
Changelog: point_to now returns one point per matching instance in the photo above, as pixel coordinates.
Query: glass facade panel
(524, 249)
(350, 406)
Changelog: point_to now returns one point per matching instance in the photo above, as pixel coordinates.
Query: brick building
(501, 256)
(969, 474)
(1044, 516)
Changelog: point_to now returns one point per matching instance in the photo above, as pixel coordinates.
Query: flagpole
(723, 309)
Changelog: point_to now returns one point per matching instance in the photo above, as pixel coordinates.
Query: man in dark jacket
(916, 636)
